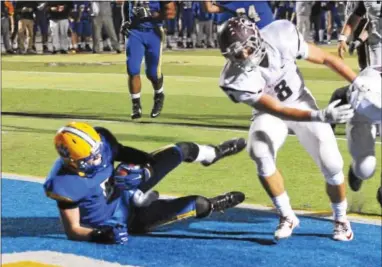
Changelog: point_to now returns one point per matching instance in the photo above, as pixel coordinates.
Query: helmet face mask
(240, 42)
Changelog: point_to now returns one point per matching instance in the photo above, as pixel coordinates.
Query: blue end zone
(239, 237)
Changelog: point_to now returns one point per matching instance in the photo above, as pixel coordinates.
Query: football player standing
(261, 72)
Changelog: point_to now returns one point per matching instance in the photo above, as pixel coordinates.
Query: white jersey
(281, 79)
(368, 103)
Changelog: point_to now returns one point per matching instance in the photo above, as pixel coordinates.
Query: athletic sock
(282, 205)
(206, 154)
(339, 210)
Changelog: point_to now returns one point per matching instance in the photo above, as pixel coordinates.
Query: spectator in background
(316, 19)
(332, 17)
(74, 23)
(117, 17)
(41, 22)
(7, 24)
(102, 17)
(14, 32)
(303, 11)
(187, 18)
(26, 10)
(59, 24)
(84, 28)
(204, 24)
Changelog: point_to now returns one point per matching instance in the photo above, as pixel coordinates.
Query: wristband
(316, 115)
(342, 38)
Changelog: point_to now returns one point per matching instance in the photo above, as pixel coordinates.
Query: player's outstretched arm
(331, 114)
(70, 218)
(318, 56)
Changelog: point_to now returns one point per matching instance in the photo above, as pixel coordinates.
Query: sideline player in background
(261, 72)
(258, 11)
(101, 204)
(360, 132)
(142, 26)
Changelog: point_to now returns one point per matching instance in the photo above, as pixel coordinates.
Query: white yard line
(359, 219)
(183, 78)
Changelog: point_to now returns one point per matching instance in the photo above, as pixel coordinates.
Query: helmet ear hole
(74, 141)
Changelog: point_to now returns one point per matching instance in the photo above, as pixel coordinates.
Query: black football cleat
(137, 111)
(354, 182)
(379, 196)
(227, 148)
(227, 201)
(158, 105)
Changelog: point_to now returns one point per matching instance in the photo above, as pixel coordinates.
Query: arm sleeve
(67, 205)
(360, 9)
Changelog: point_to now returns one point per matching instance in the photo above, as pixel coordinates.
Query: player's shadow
(31, 227)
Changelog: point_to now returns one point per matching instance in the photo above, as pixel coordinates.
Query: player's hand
(107, 234)
(334, 114)
(142, 13)
(342, 48)
(125, 28)
(128, 177)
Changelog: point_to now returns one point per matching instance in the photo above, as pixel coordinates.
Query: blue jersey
(259, 11)
(89, 192)
(151, 6)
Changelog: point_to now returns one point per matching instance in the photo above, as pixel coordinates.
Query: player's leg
(320, 142)
(361, 136)
(135, 50)
(375, 50)
(162, 212)
(153, 60)
(168, 158)
(266, 136)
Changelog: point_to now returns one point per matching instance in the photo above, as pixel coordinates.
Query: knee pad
(265, 166)
(335, 179)
(189, 151)
(364, 168)
(203, 207)
(260, 152)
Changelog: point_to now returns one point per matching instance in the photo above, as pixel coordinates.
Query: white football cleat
(342, 231)
(286, 226)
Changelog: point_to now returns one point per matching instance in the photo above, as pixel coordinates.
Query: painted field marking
(55, 259)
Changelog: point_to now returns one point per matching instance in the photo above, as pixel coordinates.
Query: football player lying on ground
(101, 204)
(261, 72)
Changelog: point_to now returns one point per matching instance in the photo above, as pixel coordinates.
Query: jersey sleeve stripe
(232, 89)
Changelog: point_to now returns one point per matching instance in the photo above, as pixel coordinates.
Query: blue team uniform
(258, 11)
(145, 40)
(81, 14)
(88, 193)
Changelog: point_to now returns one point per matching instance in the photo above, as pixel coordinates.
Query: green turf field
(41, 93)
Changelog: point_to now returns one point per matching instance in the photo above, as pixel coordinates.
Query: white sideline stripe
(183, 78)
(312, 214)
(57, 258)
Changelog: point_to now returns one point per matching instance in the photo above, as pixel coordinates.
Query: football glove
(141, 13)
(107, 234)
(125, 28)
(129, 177)
(333, 114)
